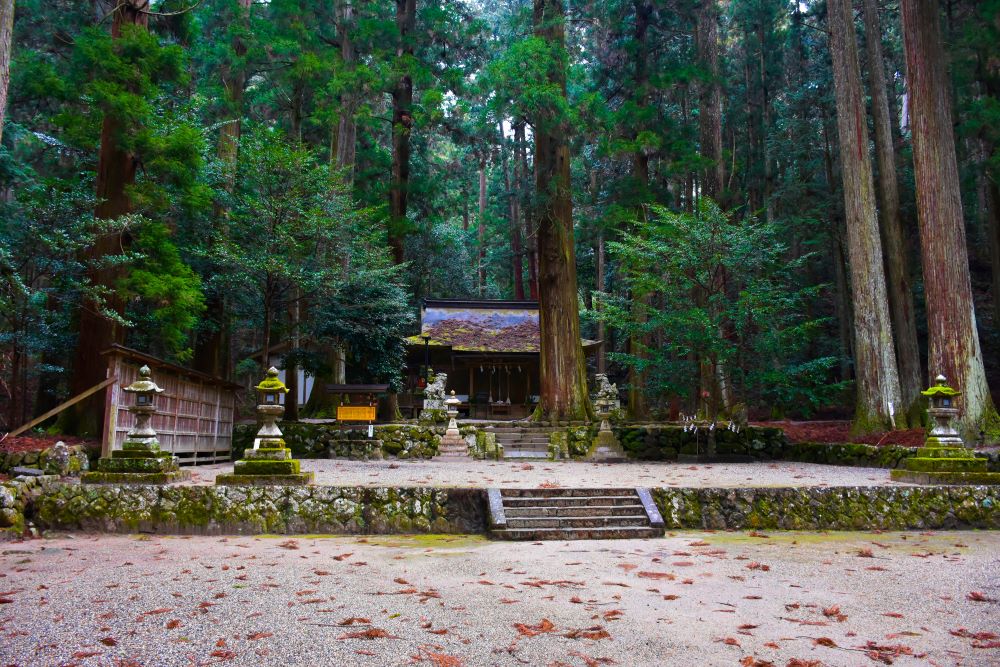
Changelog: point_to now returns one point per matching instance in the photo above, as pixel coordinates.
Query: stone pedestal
(944, 459)
(140, 460)
(453, 445)
(270, 462)
(606, 447)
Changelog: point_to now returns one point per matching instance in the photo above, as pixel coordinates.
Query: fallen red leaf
(531, 630)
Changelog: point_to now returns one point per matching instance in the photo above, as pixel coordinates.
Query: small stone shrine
(944, 459)
(269, 462)
(606, 447)
(140, 460)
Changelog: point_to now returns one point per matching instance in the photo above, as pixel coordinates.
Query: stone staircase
(522, 442)
(573, 514)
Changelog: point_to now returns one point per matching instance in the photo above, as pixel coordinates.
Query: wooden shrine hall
(488, 348)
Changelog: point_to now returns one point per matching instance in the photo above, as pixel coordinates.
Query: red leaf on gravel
(79, 655)
(320, 573)
(595, 633)
(729, 641)
(109, 641)
(993, 644)
(962, 632)
(865, 552)
(173, 623)
(797, 662)
(531, 630)
(834, 612)
(576, 600)
(977, 596)
(5, 601)
(402, 582)
(825, 641)
(671, 597)
(355, 619)
(260, 635)
(893, 614)
(343, 556)
(748, 626)
(163, 610)
(657, 575)
(370, 633)
(223, 654)
(289, 544)
(613, 615)
(754, 565)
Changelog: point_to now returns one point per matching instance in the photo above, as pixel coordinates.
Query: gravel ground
(687, 599)
(513, 474)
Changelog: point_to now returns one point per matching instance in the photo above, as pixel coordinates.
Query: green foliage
(732, 298)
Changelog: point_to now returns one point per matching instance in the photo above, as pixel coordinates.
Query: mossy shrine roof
(480, 325)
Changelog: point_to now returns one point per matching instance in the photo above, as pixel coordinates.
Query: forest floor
(839, 431)
(691, 598)
(569, 474)
(36, 442)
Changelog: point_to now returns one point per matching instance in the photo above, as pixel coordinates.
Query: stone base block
(920, 464)
(268, 454)
(126, 462)
(168, 477)
(943, 453)
(266, 467)
(232, 479)
(134, 454)
(950, 478)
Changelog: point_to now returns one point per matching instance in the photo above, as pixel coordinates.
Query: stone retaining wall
(17, 496)
(78, 460)
(833, 508)
(253, 510)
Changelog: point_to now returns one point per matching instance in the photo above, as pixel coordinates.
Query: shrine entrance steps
(523, 442)
(573, 514)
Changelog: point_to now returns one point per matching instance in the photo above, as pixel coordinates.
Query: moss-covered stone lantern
(605, 446)
(140, 460)
(269, 462)
(944, 459)
(453, 445)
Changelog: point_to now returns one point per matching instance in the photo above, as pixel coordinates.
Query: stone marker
(140, 460)
(453, 445)
(944, 459)
(270, 462)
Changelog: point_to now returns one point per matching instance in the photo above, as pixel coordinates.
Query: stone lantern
(942, 411)
(452, 444)
(944, 459)
(140, 460)
(269, 461)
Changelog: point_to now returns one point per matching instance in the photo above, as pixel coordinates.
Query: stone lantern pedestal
(453, 445)
(270, 462)
(944, 459)
(140, 460)
(605, 447)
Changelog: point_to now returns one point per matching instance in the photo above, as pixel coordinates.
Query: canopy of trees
(763, 207)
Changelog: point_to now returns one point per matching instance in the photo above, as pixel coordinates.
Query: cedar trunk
(6, 46)
(563, 374)
(898, 282)
(514, 207)
(710, 114)
(878, 393)
(402, 124)
(530, 234)
(482, 227)
(347, 128)
(951, 320)
(116, 170)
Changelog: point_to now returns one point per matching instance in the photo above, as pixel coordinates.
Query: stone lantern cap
(144, 385)
(941, 388)
(452, 400)
(271, 384)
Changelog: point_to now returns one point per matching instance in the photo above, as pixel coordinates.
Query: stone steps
(573, 514)
(523, 442)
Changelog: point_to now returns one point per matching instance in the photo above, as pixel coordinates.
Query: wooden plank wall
(193, 420)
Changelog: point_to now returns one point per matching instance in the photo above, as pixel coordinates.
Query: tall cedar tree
(6, 45)
(878, 393)
(953, 341)
(116, 169)
(402, 124)
(563, 374)
(899, 284)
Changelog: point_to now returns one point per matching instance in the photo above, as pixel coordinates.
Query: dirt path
(687, 599)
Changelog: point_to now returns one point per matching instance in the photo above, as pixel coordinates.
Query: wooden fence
(194, 414)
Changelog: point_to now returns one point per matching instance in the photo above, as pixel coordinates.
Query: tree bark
(116, 168)
(710, 116)
(347, 127)
(402, 124)
(563, 392)
(954, 349)
(530, 234)
(514, 207)
(6, 46)
(899, 284)
(878, 392)
(993, 230)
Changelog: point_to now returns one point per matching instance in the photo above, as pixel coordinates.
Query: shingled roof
(484, 325)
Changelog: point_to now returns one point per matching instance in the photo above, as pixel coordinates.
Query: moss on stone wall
(320, 441)
(268, 509)
(843, 508)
